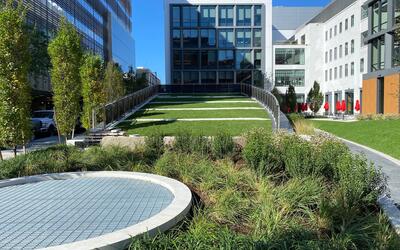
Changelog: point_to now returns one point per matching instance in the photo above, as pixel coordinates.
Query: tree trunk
(15, 151)
(1, 156)
(24, 147)
(73, 133)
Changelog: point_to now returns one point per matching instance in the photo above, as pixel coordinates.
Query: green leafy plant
(222, 145)
(315, 97)
(15, 99)
(93, 90)
(66, 54)
(113, 81)
(154, 145)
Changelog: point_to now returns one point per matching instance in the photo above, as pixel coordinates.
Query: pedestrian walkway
(34, 145)
(201, 109)
(199, 119)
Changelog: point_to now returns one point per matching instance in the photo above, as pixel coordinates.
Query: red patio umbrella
(338, 106)
(358, 106)
(343, 105)
(326, 106)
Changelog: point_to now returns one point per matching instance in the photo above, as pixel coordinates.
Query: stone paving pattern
(56, 212)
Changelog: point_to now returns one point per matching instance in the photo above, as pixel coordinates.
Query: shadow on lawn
(134, 125)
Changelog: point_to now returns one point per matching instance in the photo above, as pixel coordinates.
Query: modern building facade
(151, 78)
(381, 85)
(335, 55)
(218, 42)
(105, 27)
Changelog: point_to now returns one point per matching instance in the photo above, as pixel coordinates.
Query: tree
(66, 54)
(15, 99)
(291, 98)
(113, 80)
(40, 63)
(93, 90)
(315, 97)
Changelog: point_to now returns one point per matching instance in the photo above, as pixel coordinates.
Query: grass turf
(383, 136)
(207, 128)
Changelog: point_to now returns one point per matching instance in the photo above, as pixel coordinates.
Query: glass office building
(104, 25)
(221, 43)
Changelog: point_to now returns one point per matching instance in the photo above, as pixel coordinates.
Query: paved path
(34, 145)
(390, 167)
(201, 109)
(190, 102)
(200, 119)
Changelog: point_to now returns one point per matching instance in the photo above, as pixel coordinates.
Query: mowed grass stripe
(207, 128)
(199, 99)
(258, 113)
(201, 94)
(202, 105)
(202, 109)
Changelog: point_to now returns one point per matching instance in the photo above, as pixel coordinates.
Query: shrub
(222, 145)
(154, 145)
(378, 117)
(304, 127)
(260, 152)
(185, 142)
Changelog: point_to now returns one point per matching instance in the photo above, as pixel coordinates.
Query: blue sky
(148, 25)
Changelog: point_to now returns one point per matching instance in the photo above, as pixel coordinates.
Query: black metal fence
(115, 111)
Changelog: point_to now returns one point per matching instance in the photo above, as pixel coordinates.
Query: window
(207, 17)
(352, 46)
(226, 38)
(352, 69)
(303, 39)
(208, 77)
(257, 37)
(352, 21)
(243, 38)
(326, 56)
(257, 15)
(330, 74)
(346, 70)
(177, 59)
(326, 35)
(396, 11)
(243, 59)
(340, 51)
(176, 16)
(226, 77)
(257, 58)
(243, 16)
(378, 53)
(335, 30)
(335, 73)
(330, 33)
(364, 12)
(284, 78)
(346, 24)
(335, 53)
(330, 55)
(396, 49)
(177, 77)
(190, 38)
(209, 59)
(191, 77)
(176, 39)
(190, 16)
(362, 65)
(346, 49)
(341, 72)
(288, 56)
(340, 27)
(190, 59)
(258, 78)
(379, 19)
(225, 15)
(208, 39)
(326, 75)
(244, 77)
(226, 59)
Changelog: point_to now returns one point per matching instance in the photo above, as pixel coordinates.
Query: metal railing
(266, 98)
(112, 112)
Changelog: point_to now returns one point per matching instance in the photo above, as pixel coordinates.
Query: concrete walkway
(34, 145)
(190, 102)
(199, 119)
(201, 109)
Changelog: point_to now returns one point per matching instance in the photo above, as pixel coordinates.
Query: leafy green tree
(291, 98)
(40, 63)
(114, 83)
(315, 97)
(66, 54)
(93, 90)
(15, 99)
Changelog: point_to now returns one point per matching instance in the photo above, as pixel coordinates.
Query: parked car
(43, 122)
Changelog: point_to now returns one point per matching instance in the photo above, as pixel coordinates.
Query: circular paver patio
(87, 210)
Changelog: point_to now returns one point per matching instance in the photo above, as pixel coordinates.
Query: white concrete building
(152, 78)
(218, 41)
(335, 54)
